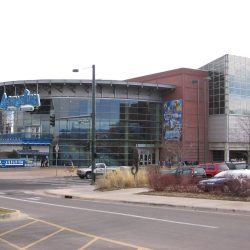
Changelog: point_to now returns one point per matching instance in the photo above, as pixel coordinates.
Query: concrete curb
(196, 208)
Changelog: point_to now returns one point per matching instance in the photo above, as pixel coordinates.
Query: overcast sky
(43, 39)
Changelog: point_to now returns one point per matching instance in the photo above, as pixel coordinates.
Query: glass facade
(120, 125)
(232, 73)
(217, 85)
(229, 96)
(239, 85)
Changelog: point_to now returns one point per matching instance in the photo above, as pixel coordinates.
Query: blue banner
(172, 124)
(14, 163)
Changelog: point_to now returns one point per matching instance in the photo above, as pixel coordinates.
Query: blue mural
(18, 102)
(172, 120)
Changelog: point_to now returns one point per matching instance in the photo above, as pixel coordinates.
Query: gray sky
(42, 39)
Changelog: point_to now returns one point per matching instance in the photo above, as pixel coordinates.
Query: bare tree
(173, 150)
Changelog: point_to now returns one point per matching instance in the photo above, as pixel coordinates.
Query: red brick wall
(187, 91)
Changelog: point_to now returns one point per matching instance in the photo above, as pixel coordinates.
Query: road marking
(34, 198)
(114, 213)
(42, 239)
(90, 235)
(88, 244)
(9, 243)
(62, 228)
(17, 228)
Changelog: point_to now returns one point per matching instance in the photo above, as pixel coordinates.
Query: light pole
(93, 147)
(198, 119)
(206, 79)
(93, 127)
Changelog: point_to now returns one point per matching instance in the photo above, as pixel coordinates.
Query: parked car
(229, 180)
(100, 169)
(195, 173)
(212, 169)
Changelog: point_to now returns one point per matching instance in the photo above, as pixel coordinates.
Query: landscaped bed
(6, 211)
(164, 185)
(200, 195)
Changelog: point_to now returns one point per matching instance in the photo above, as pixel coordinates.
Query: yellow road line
(88, 244)
(16, 228)
(9, 243)
(42, 239)
(92, 235)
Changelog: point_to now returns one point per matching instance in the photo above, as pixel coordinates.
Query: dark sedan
(226, 181)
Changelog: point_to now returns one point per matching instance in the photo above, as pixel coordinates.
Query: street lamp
(198, 119)
(204, 115)
(206, 79)
(93, 127)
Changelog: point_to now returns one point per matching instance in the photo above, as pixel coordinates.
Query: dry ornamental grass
(122, 179)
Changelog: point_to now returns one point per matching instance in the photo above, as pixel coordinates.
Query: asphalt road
(58, 223)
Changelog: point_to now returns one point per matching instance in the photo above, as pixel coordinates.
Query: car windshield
(199, 171)
(223, 167)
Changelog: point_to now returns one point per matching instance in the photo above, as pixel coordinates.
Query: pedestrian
(42, 163)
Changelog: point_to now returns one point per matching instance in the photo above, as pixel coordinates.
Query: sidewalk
(133, 196)
(125, 195)
(33, 172)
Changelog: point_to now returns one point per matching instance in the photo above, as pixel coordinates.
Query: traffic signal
(52, 119)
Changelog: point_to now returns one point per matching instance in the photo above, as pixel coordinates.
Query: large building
(177, 115)
(128, 118)
(184, 138)
(229, 107)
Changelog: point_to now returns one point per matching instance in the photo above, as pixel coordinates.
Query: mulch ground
(200, 195)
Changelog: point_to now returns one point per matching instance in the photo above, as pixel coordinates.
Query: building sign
(25, 102)
(172, 123)
(13, 163)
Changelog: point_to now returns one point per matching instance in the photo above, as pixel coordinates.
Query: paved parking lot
(35, 234)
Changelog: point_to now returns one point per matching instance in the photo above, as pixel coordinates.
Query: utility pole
(198, 122)
(206, 82)
(93, 115)
(197, 82)
(93, 127)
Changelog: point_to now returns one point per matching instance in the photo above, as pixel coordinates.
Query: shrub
(171, 182)
(159, 182)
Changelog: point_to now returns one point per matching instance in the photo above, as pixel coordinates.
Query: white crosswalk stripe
(34, 198)
(56, 181)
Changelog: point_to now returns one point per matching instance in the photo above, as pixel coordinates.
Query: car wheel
(82, 177)
(88, 175)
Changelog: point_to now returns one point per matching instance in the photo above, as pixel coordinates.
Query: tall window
(217, 73)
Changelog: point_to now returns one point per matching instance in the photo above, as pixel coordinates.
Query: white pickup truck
(100, 169)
